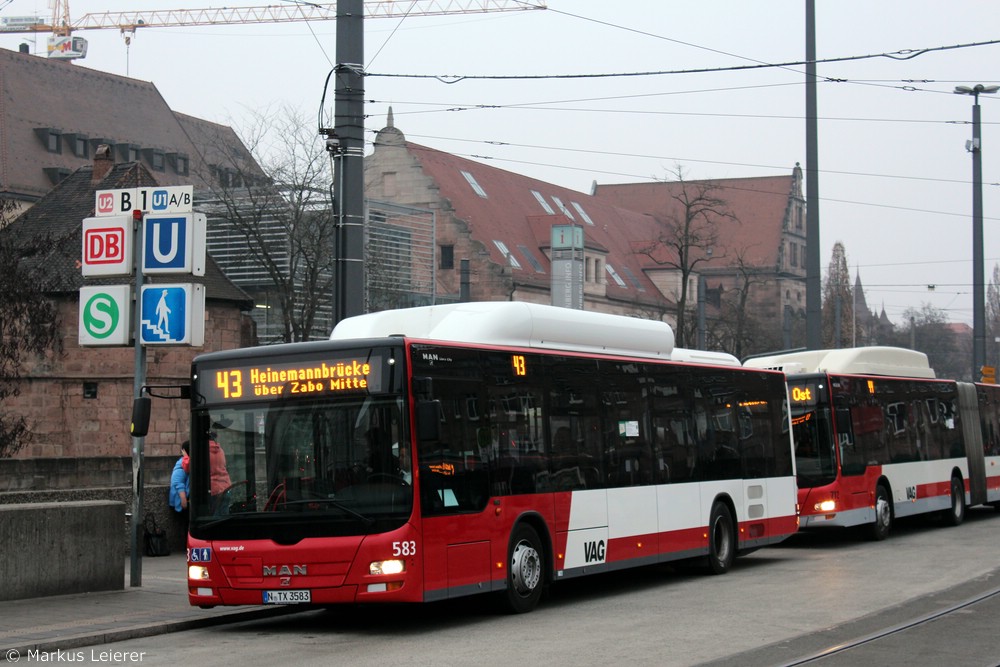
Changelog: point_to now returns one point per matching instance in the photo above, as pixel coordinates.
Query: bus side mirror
(428, 415)
(140, 417)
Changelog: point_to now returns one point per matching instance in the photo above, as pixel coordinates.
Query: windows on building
(51, 138)
(447, 257)
(478, 189)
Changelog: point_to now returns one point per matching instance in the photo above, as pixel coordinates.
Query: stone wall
(25, 481)
(59, 548)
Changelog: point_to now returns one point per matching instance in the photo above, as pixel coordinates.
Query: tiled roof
(757, 204)
(511, 213)
(38, 94)
(59, 215)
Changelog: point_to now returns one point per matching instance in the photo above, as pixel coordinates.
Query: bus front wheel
(525, 570)
(721, 539)
(883, 514)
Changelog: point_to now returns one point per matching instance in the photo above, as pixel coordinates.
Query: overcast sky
(895, 181)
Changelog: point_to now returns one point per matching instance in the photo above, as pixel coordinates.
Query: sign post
(567, 266)
(143, 230)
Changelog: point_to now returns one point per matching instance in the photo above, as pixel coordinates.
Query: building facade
(501, 223)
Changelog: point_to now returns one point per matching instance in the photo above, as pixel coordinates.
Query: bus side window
(852, 455)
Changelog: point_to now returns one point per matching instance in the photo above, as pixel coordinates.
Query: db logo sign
(107, 246)
(104, 246)
(105, 202)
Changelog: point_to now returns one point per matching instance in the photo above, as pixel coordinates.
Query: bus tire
(721, 539)
(955, 514)
(879, 530)
(525, 570)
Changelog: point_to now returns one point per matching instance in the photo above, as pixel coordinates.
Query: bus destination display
(299, 379)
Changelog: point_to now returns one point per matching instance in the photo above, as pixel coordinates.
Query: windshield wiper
(220, 520)
(368, 521)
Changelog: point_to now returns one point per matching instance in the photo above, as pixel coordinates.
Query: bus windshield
(815, 457)
(295, 468)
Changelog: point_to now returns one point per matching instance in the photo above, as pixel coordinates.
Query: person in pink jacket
(219, 481)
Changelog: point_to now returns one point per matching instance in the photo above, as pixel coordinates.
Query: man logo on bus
(284, 570)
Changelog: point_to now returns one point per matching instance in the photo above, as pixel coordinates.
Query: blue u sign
(166, 244)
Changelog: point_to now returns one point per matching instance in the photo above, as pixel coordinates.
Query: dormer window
(56, 174)
(562, 207)
(78, 144)
(511, 260)
(179, 163)
(615, 276)
(541, 200)
(51, 138)
(128, 152)
(478, 189)
(583, 214)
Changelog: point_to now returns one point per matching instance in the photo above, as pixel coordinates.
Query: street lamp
(978, 266)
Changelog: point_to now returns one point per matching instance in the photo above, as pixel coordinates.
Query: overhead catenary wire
(904, 54)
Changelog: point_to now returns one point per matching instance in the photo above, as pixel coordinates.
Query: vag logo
(594, 551)
(283, 570)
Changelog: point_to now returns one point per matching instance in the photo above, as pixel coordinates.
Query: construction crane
(64, 45)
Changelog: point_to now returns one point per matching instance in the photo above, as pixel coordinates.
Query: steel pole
(978, 264)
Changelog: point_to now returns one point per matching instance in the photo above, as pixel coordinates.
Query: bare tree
(29, 320)
(745, 329)
(993, 316)
(276, 199)
(688, 236)
(926, 329)
(838, 302)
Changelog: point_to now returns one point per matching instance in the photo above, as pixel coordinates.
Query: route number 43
(407, 548)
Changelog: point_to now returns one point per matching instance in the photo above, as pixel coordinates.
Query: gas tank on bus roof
(517, 323)
(876, 360)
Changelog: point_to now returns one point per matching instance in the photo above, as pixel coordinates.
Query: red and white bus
(878, 437)
(444, 451)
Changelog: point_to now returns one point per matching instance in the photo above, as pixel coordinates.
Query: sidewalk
(159, 606)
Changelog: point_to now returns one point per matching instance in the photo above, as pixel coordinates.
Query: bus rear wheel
(525, 570)
(955, 514)
(883, 515)
(721, 539)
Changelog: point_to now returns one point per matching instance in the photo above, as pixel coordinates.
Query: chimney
(103, 161)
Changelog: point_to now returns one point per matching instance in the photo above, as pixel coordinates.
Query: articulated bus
(443, 451)
(878, 437)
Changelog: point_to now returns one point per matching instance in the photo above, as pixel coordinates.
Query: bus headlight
(826, 506)
(197, 572)
(387, 567)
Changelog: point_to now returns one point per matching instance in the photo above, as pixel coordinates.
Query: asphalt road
(775, 607)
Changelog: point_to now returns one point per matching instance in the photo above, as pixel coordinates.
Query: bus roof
(878, 360)
(517, 323)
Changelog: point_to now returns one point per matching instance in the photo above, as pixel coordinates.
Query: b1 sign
(165, 199)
